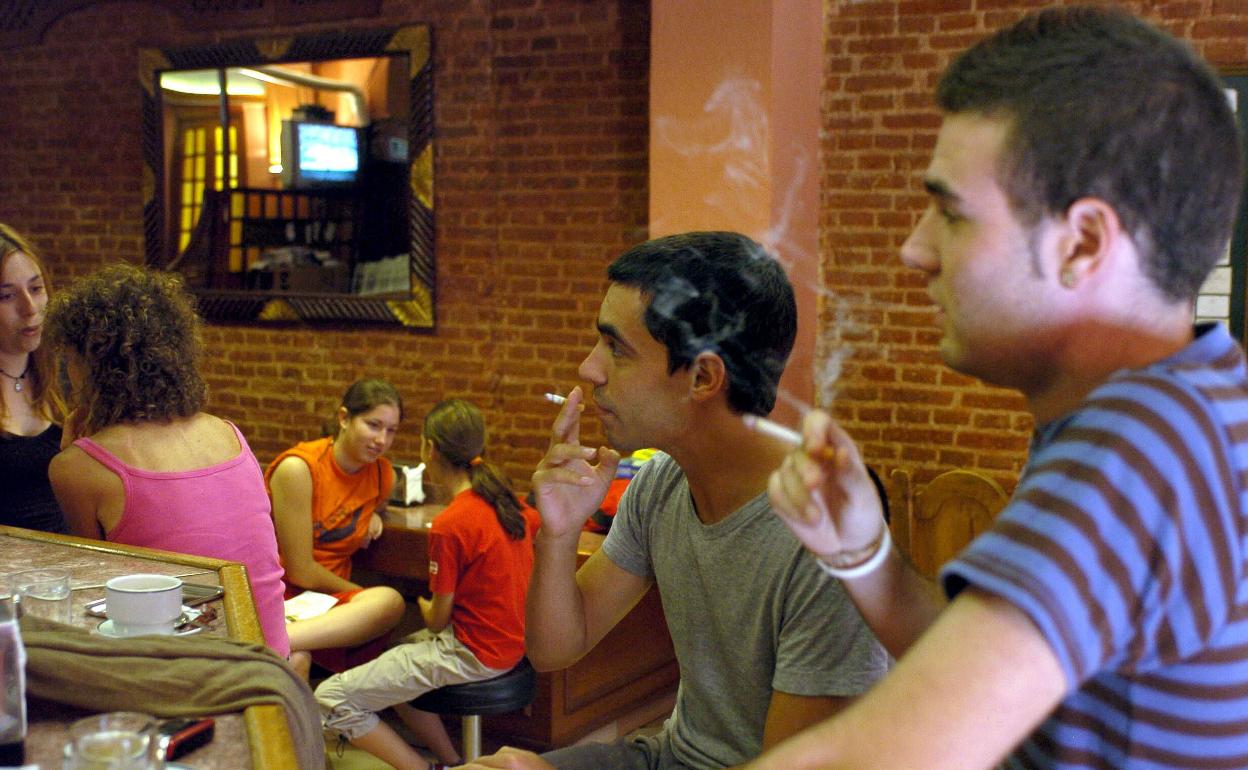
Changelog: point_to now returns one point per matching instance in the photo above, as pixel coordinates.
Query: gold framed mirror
(290, 180)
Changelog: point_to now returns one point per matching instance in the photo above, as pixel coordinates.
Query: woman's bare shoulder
(74, 467)
(180, 444)
(218, 428)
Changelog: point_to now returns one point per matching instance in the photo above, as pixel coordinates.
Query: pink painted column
(734, 138)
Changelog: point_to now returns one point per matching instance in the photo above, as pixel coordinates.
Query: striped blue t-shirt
(1124, 543)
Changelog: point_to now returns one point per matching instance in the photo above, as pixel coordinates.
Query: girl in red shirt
(480, 559)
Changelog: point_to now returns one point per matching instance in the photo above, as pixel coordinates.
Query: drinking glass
(44, 593)
(118, 740)
(12, 681)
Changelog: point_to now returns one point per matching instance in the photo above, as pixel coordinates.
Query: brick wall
(882, 60)
(540, 180)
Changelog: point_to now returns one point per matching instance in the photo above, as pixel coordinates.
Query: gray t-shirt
(748, 610)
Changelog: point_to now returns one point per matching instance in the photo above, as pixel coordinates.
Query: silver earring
(1068, 278)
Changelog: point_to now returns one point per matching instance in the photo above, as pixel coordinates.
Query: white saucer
(105, 628)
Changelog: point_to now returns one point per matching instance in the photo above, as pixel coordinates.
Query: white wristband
(867, 567)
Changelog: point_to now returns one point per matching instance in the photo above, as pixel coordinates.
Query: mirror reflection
(297, 189)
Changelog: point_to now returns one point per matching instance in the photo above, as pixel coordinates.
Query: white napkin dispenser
(408, 487)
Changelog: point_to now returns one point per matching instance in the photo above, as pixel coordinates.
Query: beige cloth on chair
(168, 676)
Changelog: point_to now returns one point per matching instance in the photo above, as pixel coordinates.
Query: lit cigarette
(781, 433)
(773, 429)
(555, 398)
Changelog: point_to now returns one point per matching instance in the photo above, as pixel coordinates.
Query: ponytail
(490, 482)
(458, 430)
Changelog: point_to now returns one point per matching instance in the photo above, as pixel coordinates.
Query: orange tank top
(342, 503)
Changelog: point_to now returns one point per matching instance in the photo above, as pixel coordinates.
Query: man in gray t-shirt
(749, 613)
(694, 332)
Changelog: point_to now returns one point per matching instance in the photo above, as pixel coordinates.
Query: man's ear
(1090, 234)
(708, 376)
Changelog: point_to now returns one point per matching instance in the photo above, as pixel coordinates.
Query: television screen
(328, 152)
(320, 154)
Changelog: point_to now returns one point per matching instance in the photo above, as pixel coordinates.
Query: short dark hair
(1104, 105)
(720, 292)
(137, 332)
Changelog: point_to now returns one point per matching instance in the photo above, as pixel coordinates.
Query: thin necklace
(17, 381)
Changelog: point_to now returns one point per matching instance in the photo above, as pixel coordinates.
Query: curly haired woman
(147, 466)
(30, 404)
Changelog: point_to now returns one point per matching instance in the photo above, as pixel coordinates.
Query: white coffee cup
(143, 604)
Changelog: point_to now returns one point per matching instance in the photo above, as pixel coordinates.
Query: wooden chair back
(933, 524)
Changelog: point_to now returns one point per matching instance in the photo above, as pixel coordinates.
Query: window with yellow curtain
(200, 166)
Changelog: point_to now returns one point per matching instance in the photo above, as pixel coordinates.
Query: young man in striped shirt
(1083, 184)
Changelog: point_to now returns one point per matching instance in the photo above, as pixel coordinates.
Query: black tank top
(27, 499)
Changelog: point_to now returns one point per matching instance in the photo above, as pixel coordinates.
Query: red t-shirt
(471, 557)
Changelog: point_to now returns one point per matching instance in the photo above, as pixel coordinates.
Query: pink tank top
(221, 512)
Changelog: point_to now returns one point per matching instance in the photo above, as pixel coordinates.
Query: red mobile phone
(181, 736)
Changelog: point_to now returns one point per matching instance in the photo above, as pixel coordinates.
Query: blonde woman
(31, 408)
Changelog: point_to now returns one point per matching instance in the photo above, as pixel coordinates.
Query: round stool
(503, 694)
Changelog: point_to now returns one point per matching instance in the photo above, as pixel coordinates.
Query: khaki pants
(421, 662)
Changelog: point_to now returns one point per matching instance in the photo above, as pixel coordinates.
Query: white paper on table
(309, 604)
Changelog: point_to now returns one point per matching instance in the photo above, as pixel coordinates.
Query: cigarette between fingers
(555, 398)
(785, 434)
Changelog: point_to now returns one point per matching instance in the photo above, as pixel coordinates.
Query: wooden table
(261, 729)
(634, 664)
